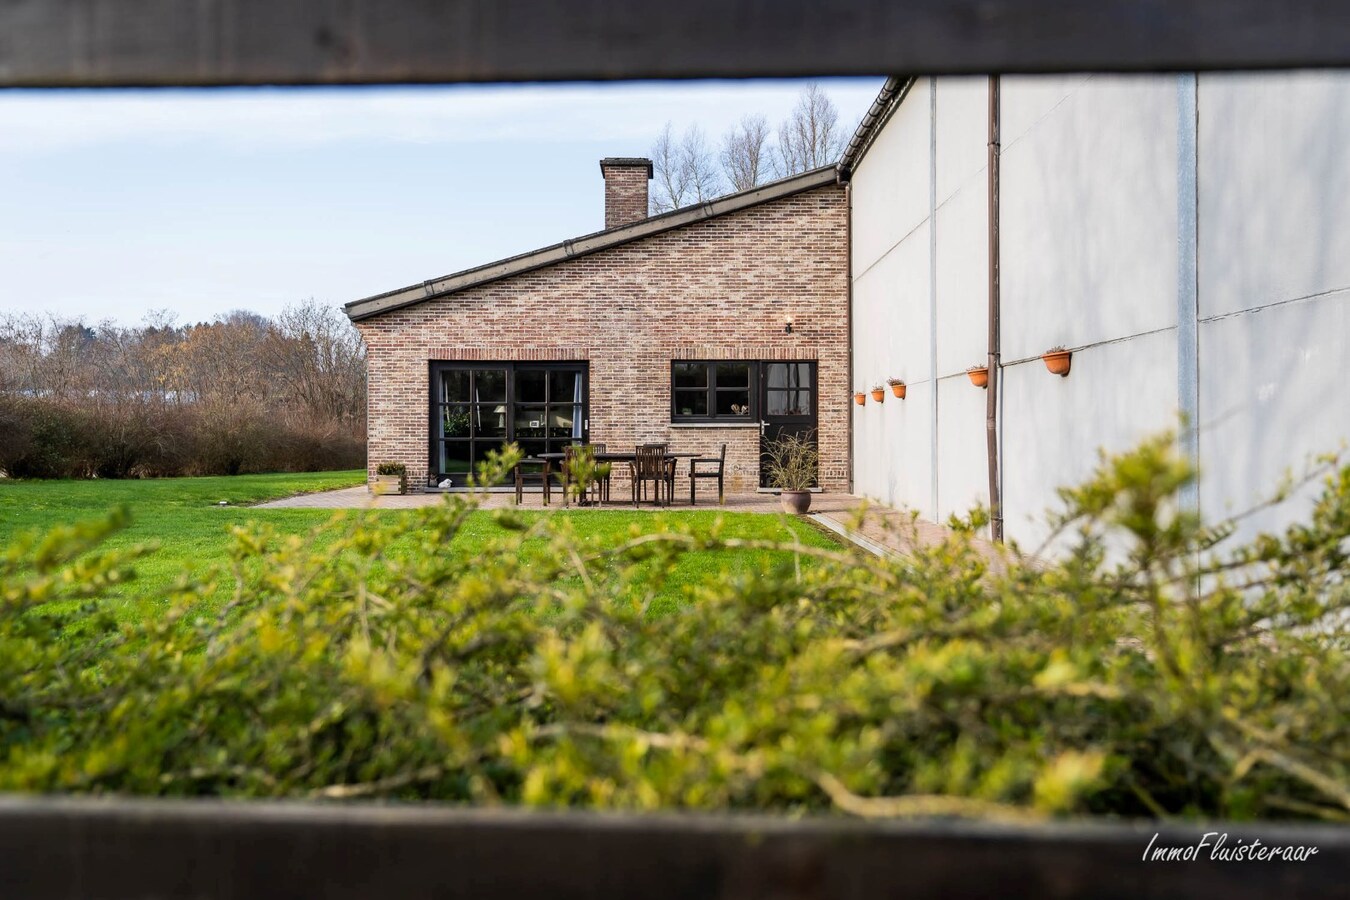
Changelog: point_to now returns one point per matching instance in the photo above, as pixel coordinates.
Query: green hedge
(52, 438)
(1145, 672)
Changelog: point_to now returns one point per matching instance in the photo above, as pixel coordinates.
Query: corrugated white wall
(1098, 196)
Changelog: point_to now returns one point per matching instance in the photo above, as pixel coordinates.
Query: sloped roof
(591, 243)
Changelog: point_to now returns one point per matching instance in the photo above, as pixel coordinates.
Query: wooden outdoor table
(609, 456)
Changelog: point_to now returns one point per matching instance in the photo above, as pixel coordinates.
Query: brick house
(725, 322)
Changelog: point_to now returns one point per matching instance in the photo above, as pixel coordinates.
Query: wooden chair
(649, 465)
(720, 461)
(542, 474)
(602, 483)
(598, 490)
(671, 465)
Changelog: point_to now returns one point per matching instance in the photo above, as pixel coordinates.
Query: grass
(183, 517)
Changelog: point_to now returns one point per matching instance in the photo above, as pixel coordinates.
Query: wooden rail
(218, 42)
(51, 848)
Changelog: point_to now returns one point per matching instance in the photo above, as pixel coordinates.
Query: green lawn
(182, 515)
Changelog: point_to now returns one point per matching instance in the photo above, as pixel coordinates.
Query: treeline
(242, 394)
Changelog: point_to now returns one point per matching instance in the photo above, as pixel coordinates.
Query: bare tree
(669, 188)
(810, 137)
(241, 393)
(319, 361)
(745, 154)
(684, 171)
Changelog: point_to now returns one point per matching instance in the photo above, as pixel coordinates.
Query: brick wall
(625, 191)
(716, 289)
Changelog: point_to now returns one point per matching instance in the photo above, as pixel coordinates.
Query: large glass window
(480, 407)
(712, 391)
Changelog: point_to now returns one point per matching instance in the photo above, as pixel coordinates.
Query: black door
(787, 405)
(477, 408)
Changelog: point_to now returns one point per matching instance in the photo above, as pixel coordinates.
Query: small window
(711, 391)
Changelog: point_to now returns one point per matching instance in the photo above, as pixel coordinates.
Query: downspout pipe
(995, 352)
(848, 324)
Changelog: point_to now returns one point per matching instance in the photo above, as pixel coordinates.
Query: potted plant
(860, 398)
(978, 375)
(390, 478)
(792, 462)
(897, 387)
(1058, 360)
(878, 393)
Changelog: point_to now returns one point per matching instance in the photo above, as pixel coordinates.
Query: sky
(120, 204)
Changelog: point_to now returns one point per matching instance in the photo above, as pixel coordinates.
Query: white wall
(962, 291)
(1088, 209)
(891, 303)
(1095, 199)
(1274, 277)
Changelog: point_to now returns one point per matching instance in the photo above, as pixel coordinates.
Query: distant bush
(242, 394)
(1146, 672)
(45, 438)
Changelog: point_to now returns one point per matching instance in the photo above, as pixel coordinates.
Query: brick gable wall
(716, 289)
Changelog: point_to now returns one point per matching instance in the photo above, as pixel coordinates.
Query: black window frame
(811, 388)
(711, 388)
(510, 402)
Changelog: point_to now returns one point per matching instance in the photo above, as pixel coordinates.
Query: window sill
(714, 424)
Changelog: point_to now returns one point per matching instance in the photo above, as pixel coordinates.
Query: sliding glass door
(477, 408)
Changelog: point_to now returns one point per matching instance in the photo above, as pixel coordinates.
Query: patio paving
(883, 530)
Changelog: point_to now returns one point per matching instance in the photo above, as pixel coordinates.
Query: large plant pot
(387, 484)
(795, 502)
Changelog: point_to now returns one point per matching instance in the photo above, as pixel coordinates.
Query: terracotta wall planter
(879, 395)
(860, 398)
(979, 376)
(898, 390)
(1058, 362)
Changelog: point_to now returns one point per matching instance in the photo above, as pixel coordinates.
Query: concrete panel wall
(1272, 390)
(963, 460)
(1275, 188)
(963, 278)
(1115, 395)
(890, 195)
(891, 308)
(1088, 210)
(1096, 181)
(962, 134)
(1274, 276)
(891, 339)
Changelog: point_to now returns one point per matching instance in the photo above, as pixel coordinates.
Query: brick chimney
(625, 189)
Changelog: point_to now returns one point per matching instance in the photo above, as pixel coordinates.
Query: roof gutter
(592, 243)
(892, 93)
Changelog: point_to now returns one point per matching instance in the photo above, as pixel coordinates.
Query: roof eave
(591, 243)
(892, 94)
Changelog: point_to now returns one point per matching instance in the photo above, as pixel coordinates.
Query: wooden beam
(241, 42)
(54, 849)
